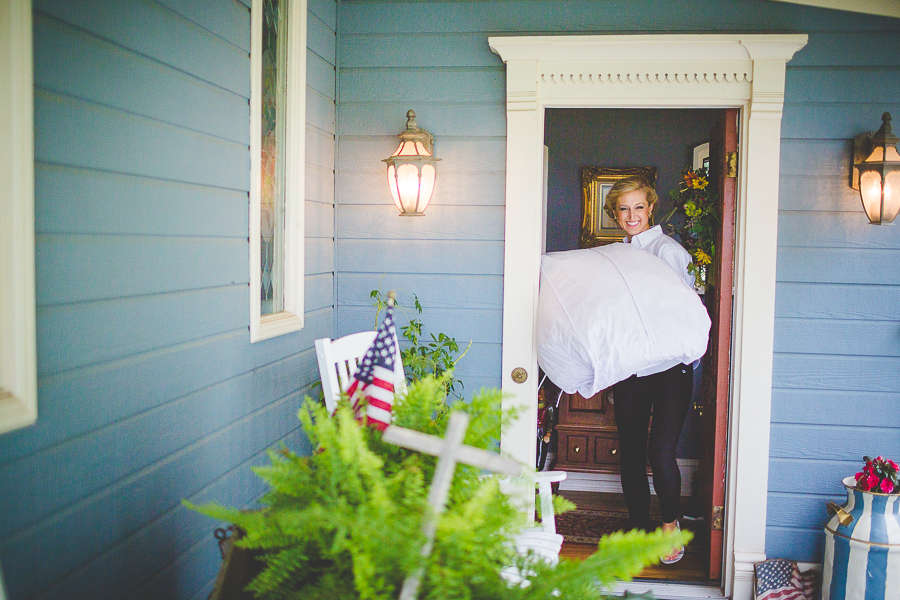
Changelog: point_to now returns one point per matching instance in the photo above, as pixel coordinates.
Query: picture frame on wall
(598, 226)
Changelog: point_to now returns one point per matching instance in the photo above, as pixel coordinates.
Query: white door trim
(658, 71)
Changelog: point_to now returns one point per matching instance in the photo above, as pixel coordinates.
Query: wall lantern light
(410, 169)
(876, 172)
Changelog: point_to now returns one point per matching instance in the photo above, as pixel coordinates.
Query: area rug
(588, 526)
(582, 526)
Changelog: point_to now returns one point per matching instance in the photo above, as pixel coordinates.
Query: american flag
(374, 381)
(781, 579)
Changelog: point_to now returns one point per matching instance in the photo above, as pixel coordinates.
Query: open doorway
(664, 141)
(743, 71)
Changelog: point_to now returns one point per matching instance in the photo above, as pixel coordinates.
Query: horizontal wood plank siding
(150, 390)
(837, 332)
(837, 329)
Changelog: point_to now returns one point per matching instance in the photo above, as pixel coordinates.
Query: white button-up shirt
(662, 246)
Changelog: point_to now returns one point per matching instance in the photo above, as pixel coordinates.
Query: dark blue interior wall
(149, 391)
(584, 137)
(837, 354)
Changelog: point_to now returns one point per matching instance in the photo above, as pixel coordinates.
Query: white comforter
(607, 313)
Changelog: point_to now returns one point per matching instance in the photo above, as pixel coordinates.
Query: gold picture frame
(598, 226)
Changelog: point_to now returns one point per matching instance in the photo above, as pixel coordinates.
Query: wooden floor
(693, 568)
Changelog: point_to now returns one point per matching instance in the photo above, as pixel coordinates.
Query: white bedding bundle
(607, 313)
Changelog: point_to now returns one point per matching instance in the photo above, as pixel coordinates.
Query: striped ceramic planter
(862, 558)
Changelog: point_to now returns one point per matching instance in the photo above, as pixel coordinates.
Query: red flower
(893, 465)
(871, 482)
(858, 476)
(886, 486)
(863, 484)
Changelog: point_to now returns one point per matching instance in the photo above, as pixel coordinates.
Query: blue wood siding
(837, 328)
(149, 389)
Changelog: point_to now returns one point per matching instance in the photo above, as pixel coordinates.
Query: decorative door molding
(658, 71)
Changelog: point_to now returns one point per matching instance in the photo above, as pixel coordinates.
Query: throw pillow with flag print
(373, 384)
(781, 579)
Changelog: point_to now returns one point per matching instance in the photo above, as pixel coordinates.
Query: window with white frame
(18, 378)
(277, 168)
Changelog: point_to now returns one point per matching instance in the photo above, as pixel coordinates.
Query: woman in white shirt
(662, 390)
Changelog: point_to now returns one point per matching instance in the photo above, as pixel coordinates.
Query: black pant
(667, 396)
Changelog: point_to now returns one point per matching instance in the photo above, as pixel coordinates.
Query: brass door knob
(577, 449)
(614, 451)
(519, 375)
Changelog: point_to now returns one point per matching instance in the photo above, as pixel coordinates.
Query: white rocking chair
(339, 361)
(542, 542)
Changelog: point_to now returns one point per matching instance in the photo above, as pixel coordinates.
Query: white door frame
(658, 71)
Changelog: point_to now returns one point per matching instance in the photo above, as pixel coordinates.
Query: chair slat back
(339, 361)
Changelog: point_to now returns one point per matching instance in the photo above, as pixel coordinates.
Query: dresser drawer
(587, 449)
(606, 449)
(576, 449)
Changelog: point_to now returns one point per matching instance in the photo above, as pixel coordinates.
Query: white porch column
(522, 260)
(757, 249)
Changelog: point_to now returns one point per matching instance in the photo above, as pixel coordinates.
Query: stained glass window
(277, 161)
(274, 88)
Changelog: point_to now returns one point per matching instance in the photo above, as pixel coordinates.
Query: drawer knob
(614, 451)
(577, 448)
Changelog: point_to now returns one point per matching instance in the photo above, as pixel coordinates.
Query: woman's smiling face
(633, 212)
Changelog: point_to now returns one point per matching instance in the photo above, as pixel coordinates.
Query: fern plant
(344, 522)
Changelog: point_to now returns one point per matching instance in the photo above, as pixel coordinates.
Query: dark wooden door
(717, 362)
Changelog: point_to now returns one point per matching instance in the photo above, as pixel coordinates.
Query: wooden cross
(449, 450)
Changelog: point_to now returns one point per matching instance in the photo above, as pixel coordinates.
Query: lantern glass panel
(891, 196)
(877, 155)
(392, 184)
(406, 149)
(408, 187)
(870, 190)
(428, 176)
(892, 154)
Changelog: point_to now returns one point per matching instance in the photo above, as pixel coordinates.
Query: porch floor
(693, 568)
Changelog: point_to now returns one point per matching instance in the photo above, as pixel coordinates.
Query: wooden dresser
(588, 438)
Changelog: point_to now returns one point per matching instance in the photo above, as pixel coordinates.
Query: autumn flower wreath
(696, 203)
(879, 475)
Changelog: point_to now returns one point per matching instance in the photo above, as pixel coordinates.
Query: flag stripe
(381, 394)
(373, 382)
(385, 406)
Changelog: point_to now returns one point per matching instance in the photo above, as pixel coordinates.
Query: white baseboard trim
(668, 591)
(611, 483)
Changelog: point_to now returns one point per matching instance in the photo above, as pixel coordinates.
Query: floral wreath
(696, 203)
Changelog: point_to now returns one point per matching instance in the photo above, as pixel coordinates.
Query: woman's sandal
(676, 555)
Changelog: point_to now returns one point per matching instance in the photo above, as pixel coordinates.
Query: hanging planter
(862, 539)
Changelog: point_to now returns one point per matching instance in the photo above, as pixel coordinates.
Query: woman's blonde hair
(623, 186)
